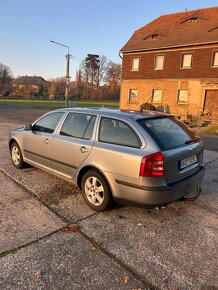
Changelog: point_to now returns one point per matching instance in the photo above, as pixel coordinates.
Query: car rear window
(168, 132)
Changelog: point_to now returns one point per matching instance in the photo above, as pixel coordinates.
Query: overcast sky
(97, 26)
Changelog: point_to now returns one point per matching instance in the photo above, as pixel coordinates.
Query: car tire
(16, 155)
(96, 191)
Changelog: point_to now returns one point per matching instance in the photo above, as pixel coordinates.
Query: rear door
(117, 150)
(182, 149)
(73, 144)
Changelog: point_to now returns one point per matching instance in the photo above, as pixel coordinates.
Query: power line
(76, 58)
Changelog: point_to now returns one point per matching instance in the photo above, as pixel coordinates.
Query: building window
(215, 58)
(157, 96)
(135, 63)
(133, 95)
(187, 60)
(159, 62)
(183, 97)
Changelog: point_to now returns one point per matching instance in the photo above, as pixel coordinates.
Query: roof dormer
(214, 28)
(152, 36)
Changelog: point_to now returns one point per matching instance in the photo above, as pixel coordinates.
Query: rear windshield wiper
(189, 141)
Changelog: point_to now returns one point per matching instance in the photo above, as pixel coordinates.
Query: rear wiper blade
(189, 141)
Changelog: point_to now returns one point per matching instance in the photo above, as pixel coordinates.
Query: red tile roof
(178, 29)
(29, 80)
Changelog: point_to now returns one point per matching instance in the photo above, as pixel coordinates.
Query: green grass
(54, 104)
(212, 130)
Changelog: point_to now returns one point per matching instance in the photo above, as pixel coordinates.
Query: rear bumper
(153, 196)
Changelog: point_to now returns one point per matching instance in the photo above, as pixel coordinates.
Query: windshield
(168, 132)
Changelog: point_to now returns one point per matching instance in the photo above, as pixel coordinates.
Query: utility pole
(67, 88)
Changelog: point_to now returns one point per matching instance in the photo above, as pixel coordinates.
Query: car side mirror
(28, 127)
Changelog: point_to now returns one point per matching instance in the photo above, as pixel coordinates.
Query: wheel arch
(11, 141)
(89, 167)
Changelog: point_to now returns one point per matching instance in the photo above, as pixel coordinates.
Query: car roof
(117, 112)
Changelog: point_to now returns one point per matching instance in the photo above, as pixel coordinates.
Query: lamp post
(67, 89)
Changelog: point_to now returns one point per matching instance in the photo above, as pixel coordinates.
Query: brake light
(152, 165)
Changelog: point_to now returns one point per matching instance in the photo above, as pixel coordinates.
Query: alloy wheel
(94, 191)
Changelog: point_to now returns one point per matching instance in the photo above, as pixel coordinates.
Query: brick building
(30, 85)
(173, 62)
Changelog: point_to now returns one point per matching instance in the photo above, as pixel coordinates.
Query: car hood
(17, 129)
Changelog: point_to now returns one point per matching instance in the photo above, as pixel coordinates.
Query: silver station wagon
(145, 158)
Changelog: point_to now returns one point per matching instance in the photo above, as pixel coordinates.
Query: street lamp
(67, 89)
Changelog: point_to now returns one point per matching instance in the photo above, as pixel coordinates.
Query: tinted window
(78, 126)
(48, 123)
(117, 132)
(169, 133)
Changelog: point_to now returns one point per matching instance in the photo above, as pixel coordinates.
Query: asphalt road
(210, 142)
(25, 116)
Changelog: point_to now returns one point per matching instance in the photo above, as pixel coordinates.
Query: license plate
(188, 161)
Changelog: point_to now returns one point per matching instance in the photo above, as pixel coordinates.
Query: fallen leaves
(38, 274)
(126, 279)
(165, 278)
(71, 228)
(95, 245)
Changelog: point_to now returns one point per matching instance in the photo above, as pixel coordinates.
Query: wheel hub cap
(94, 191)
(15, 154)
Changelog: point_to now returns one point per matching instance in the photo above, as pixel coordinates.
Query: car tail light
(152, 165)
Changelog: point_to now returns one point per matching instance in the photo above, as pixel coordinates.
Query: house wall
(201, 66)
(170, 88)
(170, 80)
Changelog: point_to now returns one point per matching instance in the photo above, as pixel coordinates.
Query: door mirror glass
(28, 127)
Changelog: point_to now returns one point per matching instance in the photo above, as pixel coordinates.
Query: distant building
(30, 85)
(173, 61)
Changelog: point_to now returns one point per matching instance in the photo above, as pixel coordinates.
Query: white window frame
(184, 55)
(156, 62)
(182, 94)
(135, 63)
(215, 59)
(133, 99)
(155, 95)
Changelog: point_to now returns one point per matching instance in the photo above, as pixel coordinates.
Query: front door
(37, 142)
(211, 103)
(37, 148)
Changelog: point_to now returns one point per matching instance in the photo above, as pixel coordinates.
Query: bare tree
(78, 84)
(93, 69)
(102, 71)
(57, 87)
(113, 79)
(85, 74)
(5, 77)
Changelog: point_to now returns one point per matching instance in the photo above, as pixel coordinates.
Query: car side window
(78, 126)
(117, 132)
(48, 123)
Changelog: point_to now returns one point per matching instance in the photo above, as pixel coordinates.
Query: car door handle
(46, 141)
(83, 149)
